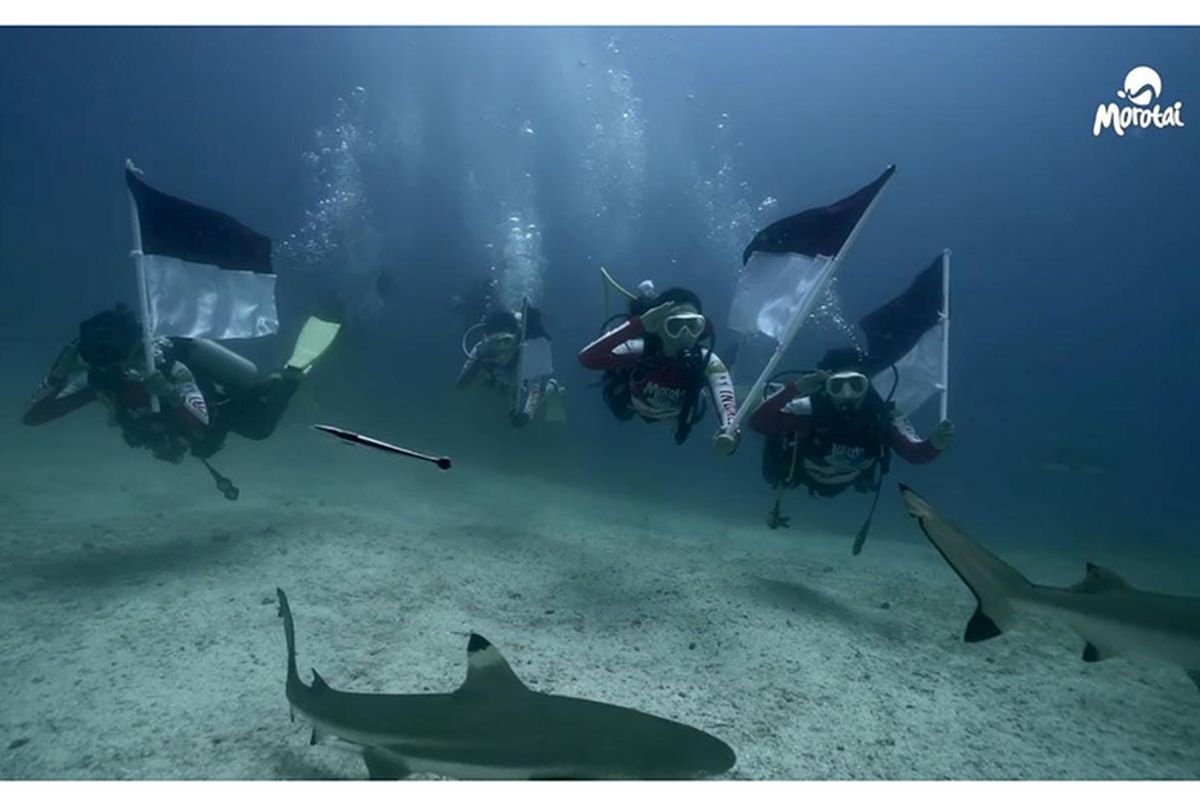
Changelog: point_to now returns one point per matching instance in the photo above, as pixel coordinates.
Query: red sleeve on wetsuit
(46, 405)
(599, 354)
(770, 419)
(721, 384)
(191, 408)
(49, 401)
(908, 445)
(533, 397)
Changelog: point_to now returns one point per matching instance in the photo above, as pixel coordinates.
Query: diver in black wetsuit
(205, 391)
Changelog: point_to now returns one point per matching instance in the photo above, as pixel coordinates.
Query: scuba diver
(205, 391)
(830, 430)
(656, 367)
(498, 358)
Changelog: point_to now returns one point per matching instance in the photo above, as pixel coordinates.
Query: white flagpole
(945, 387)
(143, 295)
(516, 402)
(756, 391)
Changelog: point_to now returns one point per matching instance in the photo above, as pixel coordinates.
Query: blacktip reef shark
(493, 727)
(1112, 617)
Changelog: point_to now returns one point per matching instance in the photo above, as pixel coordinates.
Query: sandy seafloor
(139, 637)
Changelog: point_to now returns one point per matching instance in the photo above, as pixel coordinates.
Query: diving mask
(847, 386)
(690, 325)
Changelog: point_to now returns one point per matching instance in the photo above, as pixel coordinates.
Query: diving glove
(810, 384)
(726, 442)
(943, 435)
(653, 319)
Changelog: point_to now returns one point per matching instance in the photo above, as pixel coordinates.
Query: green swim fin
(556, 404)
(315, 338)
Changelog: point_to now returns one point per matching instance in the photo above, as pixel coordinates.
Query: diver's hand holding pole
(726, 441)
(157, 385)
(943, 435)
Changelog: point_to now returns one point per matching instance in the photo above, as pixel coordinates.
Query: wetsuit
(810, 442)
(71, 384)
(658, 384)
(195, 414)
(500, 372)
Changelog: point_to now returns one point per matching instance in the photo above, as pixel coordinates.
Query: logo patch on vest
(849, 457)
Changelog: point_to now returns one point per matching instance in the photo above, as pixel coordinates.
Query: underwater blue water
(537, 155)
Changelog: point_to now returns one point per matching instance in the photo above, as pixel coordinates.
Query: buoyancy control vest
(864, 428)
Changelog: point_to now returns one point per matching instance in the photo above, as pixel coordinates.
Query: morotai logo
(1143, 88)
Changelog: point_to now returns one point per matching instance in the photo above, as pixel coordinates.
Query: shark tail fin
(289, 633)
(993, 582)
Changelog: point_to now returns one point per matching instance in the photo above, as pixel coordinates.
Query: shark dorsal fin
(487, 671)
(1093, 653)
(1099, 579)
(319, 683)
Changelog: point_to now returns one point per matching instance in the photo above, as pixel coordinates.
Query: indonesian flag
(787, 264)
(206, 274)
(535, 362)
(907, 333)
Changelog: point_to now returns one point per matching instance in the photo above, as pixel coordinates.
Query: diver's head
(107, 339)
(501, 330)
(502, 322)
(686, 324)
(847, 385)
(847, 388)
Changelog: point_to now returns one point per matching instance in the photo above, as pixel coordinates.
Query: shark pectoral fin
(487, 671)
(993, 582)
(317, 737)
(1099, 579)
(1195, 676)
(381, 767)
(1092, 653)
(981, 627)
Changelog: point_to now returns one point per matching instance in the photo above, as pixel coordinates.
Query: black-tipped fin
(993, 582)
(487, 671)
(981, 627)
(381, 767)
(1092, 653)
(1098, 579)
(319, 684)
